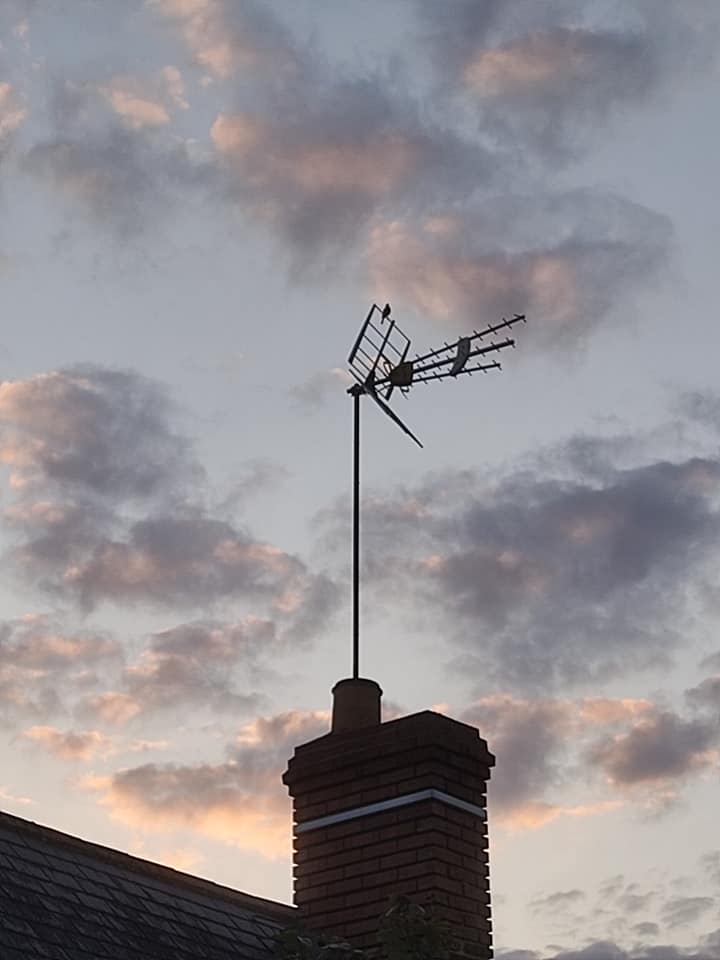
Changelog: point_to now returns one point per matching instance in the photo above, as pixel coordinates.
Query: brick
(397, 774)
(361, 867)
(367, 896)
(412, 870)
(398, 859)
(435, 838)
(363, 838)
(376, 794)
(446, 884)
(401, 828)
(320, 878)
(384, 878)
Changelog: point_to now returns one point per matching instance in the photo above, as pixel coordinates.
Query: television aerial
(379, 362)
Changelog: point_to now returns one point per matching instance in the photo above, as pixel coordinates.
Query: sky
(199, 201)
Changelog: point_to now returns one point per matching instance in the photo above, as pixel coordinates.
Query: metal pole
(356, 536)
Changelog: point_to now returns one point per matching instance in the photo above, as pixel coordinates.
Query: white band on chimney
(391, 804)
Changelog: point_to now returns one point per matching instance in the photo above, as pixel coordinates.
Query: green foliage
(408, 931)
(294, 945)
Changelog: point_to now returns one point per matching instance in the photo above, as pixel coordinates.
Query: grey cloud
(682, 911)
(664, 747)
(530, 739)
(69, 745)
(558, 901)
(711, 662)
(94, 430)
(223, 37)
(312, 393)
(646, 929)
(706, 694)
(564, 259)
(613, 886)
(186, 559)
(110, 506)
(706, 949)
(122, 180)
(710, 863)
(240, 801)
(543, 577)
(41, 662)
(626, 898)
(546, 76)
(329, 154)
(38, 643)
(634, 902)
(711, 943)
(198, 664)
(253, 478)
(330, 160)
(254, 765)
(702, 407)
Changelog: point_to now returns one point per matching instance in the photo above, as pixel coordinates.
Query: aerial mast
(379, 363)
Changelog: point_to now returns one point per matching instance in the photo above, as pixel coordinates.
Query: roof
(62, 898)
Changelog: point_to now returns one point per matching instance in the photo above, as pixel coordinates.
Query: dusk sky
(199, 201)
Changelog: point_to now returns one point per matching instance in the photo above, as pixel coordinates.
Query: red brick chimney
(387, 809)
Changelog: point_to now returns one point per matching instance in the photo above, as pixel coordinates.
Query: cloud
(682, 911)
(564, 259)
(136, 110)
(540, 745)
(69, 745)
(124, 170)
(251, 479)
(533, 815)
(560, 900)
(706, 694)
(526, 736)
(146, 101)
(658, 749)
(711, 662)
(329, 159)
(700, 406)
(110, 506)
(705, 949)
(12, 114)
(314, 392)
(7, 797)
(330, 152)
(195, 663)
(240, 801)
(111, 707)
(93, 429)
(710, 863)
(551, 751)
(37, 643)
(547, 575)
(226, 37)
(546, 77)
(41, 662)
(109, 180)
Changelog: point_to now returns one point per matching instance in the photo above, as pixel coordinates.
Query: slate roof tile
(62, 898)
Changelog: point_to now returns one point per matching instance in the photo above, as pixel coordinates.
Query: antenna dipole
(379, 362)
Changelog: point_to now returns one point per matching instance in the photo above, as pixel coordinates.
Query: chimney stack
(389, 809)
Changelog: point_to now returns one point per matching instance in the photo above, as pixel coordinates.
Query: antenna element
(379, 363)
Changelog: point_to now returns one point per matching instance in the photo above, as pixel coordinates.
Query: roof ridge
(150, 868)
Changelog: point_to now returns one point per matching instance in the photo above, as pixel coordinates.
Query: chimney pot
(356, 704)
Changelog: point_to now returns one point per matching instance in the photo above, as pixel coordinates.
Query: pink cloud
(240, 801)
(69, 745)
